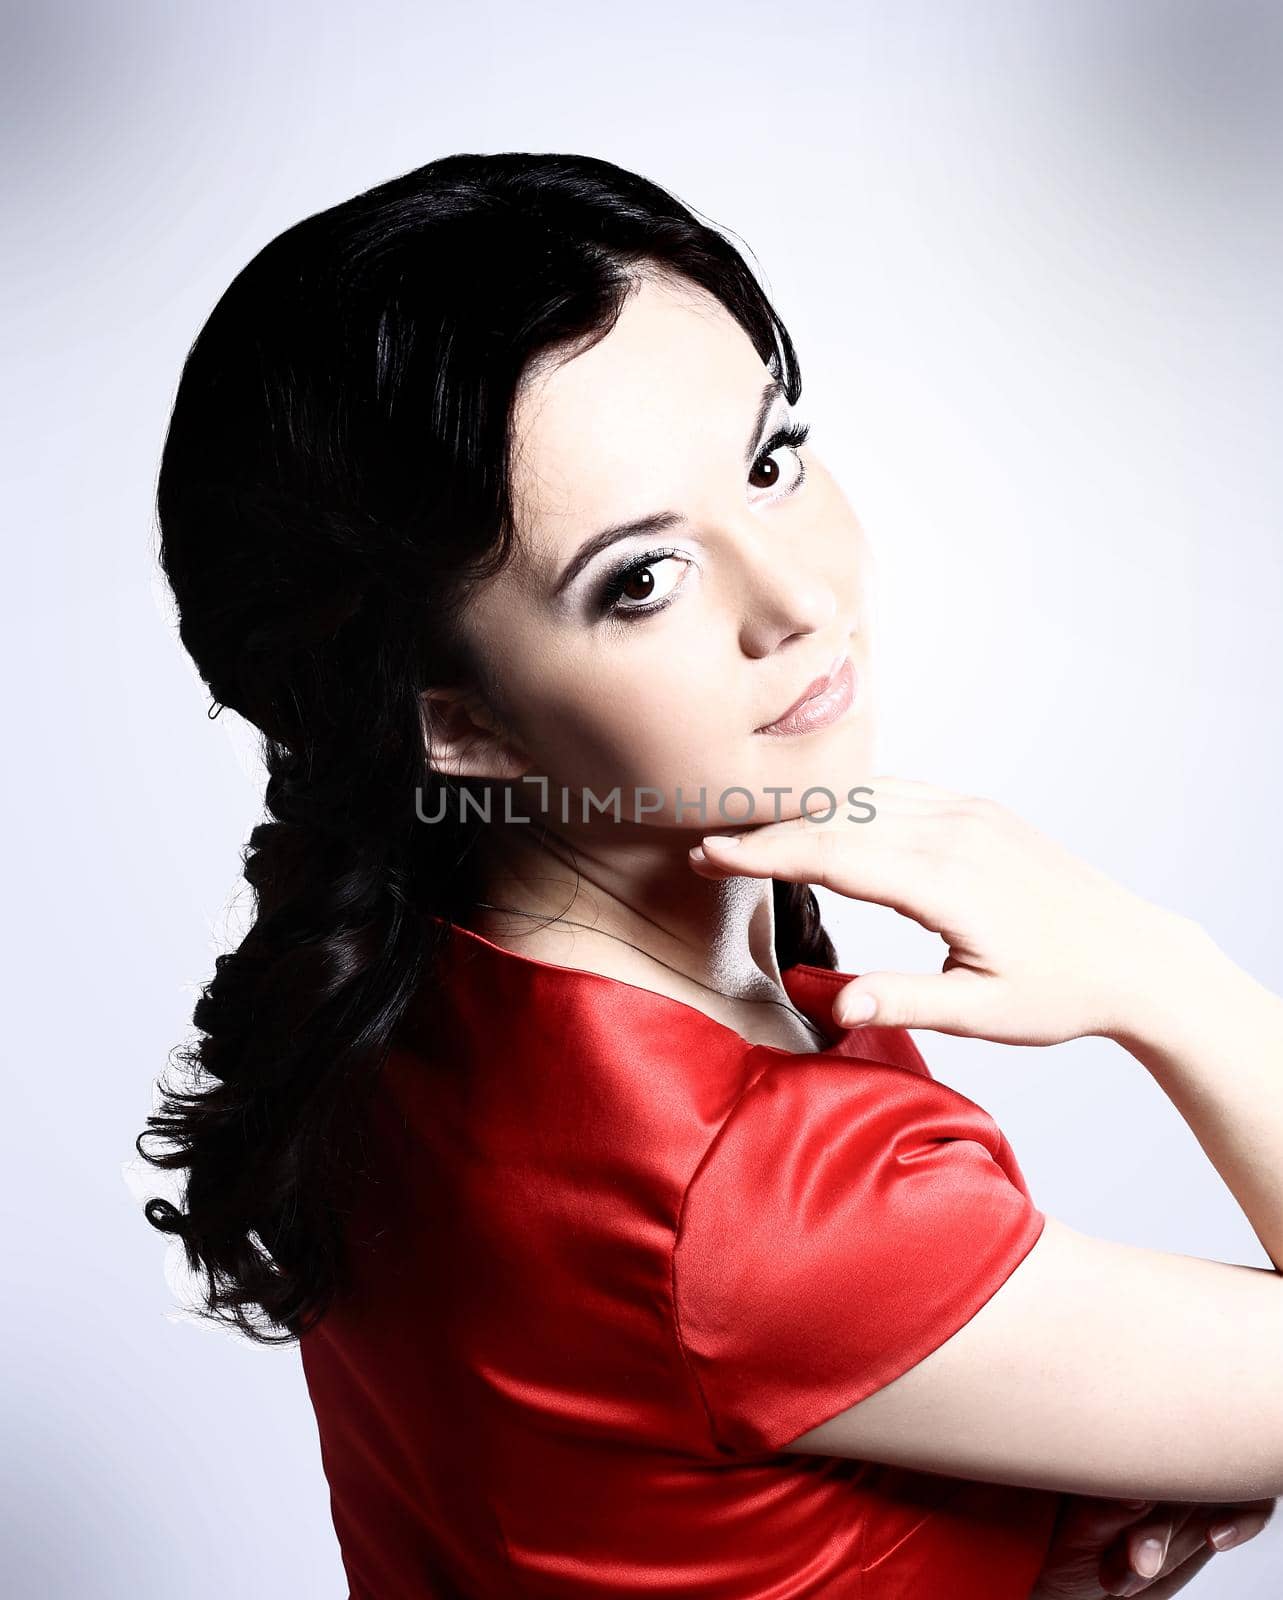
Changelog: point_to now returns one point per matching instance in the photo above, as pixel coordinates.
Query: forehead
(595, 436)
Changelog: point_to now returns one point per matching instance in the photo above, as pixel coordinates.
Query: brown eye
(769, 468)
(638, 589)
(766, 472)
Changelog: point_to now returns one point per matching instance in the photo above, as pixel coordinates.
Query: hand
(1095, 1549)
(1042, 946)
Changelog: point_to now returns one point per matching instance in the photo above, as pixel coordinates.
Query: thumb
(948, 1002)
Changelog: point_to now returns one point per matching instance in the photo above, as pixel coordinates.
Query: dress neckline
(809, 987)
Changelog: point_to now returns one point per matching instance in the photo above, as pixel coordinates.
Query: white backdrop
(1031, 255)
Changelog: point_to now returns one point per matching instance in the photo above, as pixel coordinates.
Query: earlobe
(463, 739)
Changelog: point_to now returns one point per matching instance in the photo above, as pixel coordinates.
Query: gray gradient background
(1030, 253)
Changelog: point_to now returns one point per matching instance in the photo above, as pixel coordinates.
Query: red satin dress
(617, 1257)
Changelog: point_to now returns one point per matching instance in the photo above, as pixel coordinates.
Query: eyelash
(794, 436)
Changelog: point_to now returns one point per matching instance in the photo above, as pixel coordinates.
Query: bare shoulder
(1096, 1368)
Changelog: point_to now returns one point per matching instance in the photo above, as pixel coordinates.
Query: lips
(811, 691)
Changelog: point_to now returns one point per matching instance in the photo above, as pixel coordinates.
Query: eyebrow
(657, 521)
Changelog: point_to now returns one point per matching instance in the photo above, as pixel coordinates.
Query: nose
(782, 599)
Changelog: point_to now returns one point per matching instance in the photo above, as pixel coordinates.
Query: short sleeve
(848, 1217)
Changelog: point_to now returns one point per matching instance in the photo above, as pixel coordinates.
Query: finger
(1122, 1573)
(893, 861)
(1126, 1581)
(1150, 1544)
(1173, 1582)
(1237, 1525)
(1164, 1526)
(1148, 1547)
(1231, 1522)
(958, 1001)
(884, 795)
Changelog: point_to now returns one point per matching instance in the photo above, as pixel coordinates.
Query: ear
(463, 738)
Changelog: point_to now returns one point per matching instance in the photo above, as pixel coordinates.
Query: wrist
(1187, 984)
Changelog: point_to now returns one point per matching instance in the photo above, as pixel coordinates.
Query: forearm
(1212, 1037)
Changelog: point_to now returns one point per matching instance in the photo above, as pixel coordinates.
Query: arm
(1096, 1368)
(1214, 1045)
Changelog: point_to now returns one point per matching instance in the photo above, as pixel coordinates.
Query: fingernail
(1131, 1584)
(722, 838)
(696, 853)
(859, 1008)
(1224, 1534)
(1149, 1557)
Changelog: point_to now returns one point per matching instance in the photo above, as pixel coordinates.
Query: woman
(625, 1253)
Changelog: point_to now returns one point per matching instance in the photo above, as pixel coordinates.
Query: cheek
(640, 731)
(850, 558)
(649, 722)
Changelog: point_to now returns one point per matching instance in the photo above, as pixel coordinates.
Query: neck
(719, 932)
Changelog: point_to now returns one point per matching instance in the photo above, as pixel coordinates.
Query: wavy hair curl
(334, 478)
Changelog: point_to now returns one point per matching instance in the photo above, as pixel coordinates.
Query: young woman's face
(653, 659)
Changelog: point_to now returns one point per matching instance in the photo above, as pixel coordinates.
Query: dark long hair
(335, 476)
